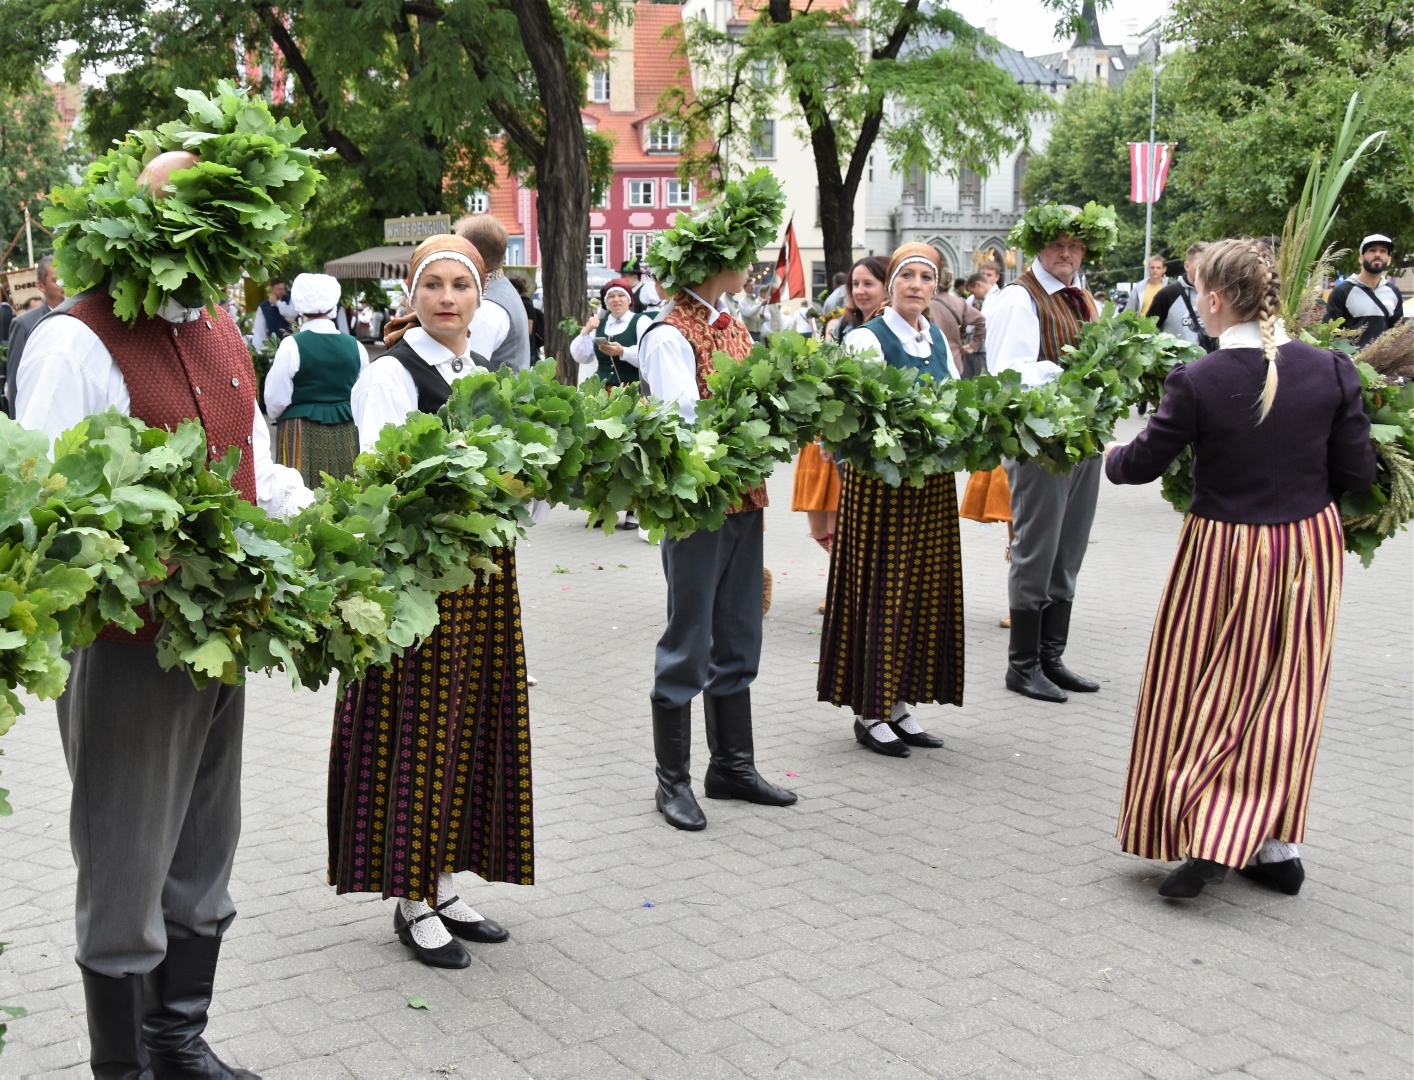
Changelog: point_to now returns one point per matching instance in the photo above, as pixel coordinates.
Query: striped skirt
(313, 448)
(1234, 690)
(893, 610)
(430, 765)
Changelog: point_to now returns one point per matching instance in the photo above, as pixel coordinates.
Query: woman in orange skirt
(817, 493)
(1234, 689)
(988, 499)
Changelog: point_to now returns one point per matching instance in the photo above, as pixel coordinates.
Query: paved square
(964, 912)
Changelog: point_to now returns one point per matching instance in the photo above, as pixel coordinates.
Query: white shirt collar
(1049, 281)
(899, 325)
(323, 326)
(174, 312)
(613, 320)
(430, 349)
(1248, 335)
(721, 301)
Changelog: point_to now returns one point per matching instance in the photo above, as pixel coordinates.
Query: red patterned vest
(693, 320)
(1060, 322)
(180, 371)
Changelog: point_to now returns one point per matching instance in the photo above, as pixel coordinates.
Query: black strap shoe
(114, 1006)
(1023, 673)
(732, 774)
(1286, 875)
(1055, 632)
(865, 737)
(450, 955)
(178, 996)
(483, 931)
(672, 746)
(1188, 879)
(916, 738)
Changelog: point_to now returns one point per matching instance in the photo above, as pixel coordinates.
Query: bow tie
(1077, 299)
(722, 321)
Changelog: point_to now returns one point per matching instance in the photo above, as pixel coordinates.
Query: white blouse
(280, 380)
(385, 392)
(916, 341)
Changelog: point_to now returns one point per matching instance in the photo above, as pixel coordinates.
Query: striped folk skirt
(430, 766)
(893, 610)
(313, 448)
(1234, 690)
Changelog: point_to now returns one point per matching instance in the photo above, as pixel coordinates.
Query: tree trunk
(562, 179)
(836, 217)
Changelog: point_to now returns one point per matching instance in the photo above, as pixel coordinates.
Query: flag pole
(1151, 164)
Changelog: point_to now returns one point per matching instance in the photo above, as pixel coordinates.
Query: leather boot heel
(732, 773)
(178, 997)
(1024, 674)
(672, 745)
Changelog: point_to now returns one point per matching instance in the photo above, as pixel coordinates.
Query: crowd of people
(430, 762)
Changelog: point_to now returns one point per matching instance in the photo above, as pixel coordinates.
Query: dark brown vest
(1060, 322)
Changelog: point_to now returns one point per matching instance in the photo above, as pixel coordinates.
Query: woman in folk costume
(615, 347)
(430, 764)
(1235, 686)
(893, 617)
(987, 498)
(307, 389)
(712, 643)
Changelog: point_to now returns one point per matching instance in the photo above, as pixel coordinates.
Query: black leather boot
(114, 1007)
(672, 745)
(732, 772)
(178, 996)
(1055, 632)
(1023, 673)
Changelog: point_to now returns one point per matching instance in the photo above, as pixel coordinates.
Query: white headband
(889, 288)
(455, 256)
(617, 288)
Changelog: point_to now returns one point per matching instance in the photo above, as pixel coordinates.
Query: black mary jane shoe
(450, 955)
(919, 738)
(865, 737)
(1286, 876)
(1188, 879)
(484, 931)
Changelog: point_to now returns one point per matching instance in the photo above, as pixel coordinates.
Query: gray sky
(1027, 25)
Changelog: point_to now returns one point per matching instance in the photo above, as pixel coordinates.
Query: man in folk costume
(1028, 324)
(155, 762)
(712, 644)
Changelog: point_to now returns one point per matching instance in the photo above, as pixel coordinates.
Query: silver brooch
(457, 364)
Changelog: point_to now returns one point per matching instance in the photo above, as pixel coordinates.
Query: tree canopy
(33, 159)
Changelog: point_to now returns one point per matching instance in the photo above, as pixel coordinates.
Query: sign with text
(413, 230)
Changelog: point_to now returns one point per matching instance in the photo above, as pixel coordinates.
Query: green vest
(612, 369)
(328, 368)
(935, 365)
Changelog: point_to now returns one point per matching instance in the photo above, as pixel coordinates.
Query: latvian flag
(1139, 171)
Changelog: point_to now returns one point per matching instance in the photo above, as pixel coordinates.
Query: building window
(664, 137)
(763, 140)
(599, 85)
(969, 187)
(679, 193)
(763, 74)
(641, 193)
(915, 184)
(819, 280)
(1018, 181)
(636, 245)
(598, 254)
(515, 251)
(478, 202)
(871, 168)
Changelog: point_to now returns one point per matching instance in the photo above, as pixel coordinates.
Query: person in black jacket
(1234, 690)
(1368, 302)
(1173, 305)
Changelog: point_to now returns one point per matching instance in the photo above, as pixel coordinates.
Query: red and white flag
(1139, 177)
(788, 282)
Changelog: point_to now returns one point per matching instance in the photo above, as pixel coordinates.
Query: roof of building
(657, 66)
(1027, 70)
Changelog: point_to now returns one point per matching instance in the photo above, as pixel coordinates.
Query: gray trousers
(1051, 516)
(156, 812)
(713, 638)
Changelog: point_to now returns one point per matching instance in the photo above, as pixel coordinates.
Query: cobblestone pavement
(965, 912)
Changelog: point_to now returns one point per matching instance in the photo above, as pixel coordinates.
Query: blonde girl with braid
(1234, 690)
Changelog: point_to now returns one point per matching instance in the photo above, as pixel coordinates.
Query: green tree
(416, 98)
(33, 159)
(1267, 87)
(916, 79)
(1087, 157)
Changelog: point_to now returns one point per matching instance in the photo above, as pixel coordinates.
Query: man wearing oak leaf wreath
(712, 644)
(155, 762)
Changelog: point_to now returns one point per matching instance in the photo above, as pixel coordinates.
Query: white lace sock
(429, 933)
(881, 732)
(459, 911)
(904, 719)
(1276, 851)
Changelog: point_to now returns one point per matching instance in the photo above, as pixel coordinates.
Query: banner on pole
(1140, 171)
(788, 282)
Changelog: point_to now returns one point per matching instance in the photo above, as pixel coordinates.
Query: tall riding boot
(732, 772)
(1023, 673)
(672, 745)
(178, 996)
(114, 1007)
(1055, 631)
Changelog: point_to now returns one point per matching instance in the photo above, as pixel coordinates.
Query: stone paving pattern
(964, 912)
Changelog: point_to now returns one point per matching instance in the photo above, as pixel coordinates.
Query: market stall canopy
(378, 262)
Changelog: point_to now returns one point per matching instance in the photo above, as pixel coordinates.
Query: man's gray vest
(514, 352)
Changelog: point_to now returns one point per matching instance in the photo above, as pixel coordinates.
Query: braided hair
(1245, 273)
